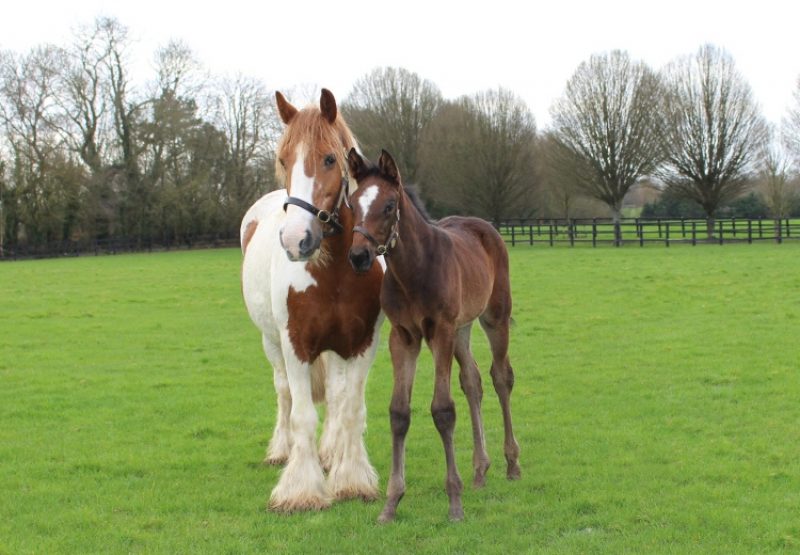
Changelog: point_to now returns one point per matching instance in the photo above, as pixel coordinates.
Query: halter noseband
(330, 218)
(391, 241)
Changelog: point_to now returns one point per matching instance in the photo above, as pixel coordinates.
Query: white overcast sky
(464, 47)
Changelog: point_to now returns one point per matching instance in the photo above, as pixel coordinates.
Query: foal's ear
(355, 164)
(286, 110)
(327, 104)
(388, 167)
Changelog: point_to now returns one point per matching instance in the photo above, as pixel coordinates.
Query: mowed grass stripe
(655, 405)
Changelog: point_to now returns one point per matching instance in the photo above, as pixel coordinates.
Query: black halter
(330, 218)
(391, 241)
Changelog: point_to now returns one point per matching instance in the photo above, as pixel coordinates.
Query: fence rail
(642, 231)
(117, 245)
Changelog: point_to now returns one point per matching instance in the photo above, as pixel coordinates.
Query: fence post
(666, 240)
(749, 231)
(779, 236)
(760, 228)
(571, 231)
(550, 231)
(640, 228)
(720, 231)
(594, 232)
(530, 234)
(694, 233)
(513, 243)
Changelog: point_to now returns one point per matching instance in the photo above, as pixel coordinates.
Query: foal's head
(311, 163)
(376, 208)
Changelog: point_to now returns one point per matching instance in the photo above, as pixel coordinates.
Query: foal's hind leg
(470, 380)
(503, 380)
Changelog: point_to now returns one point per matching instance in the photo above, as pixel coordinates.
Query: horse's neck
(416, 236)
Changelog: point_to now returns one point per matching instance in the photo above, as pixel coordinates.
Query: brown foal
(439, 278)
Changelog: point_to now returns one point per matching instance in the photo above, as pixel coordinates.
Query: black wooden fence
(642, 231)
(117, 245)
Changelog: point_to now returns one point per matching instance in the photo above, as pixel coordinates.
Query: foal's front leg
(443, 410)
(404, 348)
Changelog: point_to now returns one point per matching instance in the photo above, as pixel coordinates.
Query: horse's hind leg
(503, 379)
(470, 379)
(280, 444)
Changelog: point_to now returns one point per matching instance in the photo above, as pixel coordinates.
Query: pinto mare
(440, 277)
(319, 320)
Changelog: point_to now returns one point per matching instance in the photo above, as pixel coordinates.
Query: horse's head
(310, 162)
(376, 208)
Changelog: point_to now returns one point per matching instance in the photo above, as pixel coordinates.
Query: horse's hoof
(275, 460)
(514, 472)
(299, 504)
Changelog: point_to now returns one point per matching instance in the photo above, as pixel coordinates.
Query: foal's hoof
(513, 472)
(457, 514)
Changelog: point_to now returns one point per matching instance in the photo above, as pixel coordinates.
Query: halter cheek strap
(391, 241)
(330, 218)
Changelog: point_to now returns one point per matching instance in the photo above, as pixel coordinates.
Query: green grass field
(656, 405)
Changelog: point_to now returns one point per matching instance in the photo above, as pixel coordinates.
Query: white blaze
(298, 221)
(365, 201)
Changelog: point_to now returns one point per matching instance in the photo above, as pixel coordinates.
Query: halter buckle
(324, 216)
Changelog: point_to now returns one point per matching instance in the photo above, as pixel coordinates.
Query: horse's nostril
(307, 244)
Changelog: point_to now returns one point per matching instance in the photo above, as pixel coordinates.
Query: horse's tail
(318, 381)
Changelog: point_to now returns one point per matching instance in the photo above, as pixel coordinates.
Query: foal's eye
(282, 163)
(329, 160)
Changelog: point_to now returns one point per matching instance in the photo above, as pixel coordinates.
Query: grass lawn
(656, 406)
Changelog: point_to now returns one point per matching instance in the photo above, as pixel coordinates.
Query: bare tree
(776, 185)
(244, 112)
(791, 126)
(390, 108)
(714, 132)
(480, 157)
(606, 128)
(28, 86)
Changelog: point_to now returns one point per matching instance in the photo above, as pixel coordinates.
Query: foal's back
(479, 253)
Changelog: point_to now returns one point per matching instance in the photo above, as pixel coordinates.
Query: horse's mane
(309, 126)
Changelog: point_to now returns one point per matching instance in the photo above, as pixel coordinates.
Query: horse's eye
(282, 163)
(329, 160)
(389, 208)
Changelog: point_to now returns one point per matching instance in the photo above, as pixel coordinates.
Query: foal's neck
(415, 233)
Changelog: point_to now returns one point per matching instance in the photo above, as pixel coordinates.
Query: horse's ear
(327, 104)
(286, 110)
(388, 167)
(355, 164)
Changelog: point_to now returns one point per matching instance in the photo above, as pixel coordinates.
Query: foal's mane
(309, 126)
(412, 193)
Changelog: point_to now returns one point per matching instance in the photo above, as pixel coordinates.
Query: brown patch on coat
(338, 313)
(249, 231)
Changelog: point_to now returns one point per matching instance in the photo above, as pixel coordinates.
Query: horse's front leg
(350, 473)
(302, 483)
(443, 410)
(404, 350)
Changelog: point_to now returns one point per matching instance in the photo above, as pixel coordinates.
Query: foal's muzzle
(361, 259)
